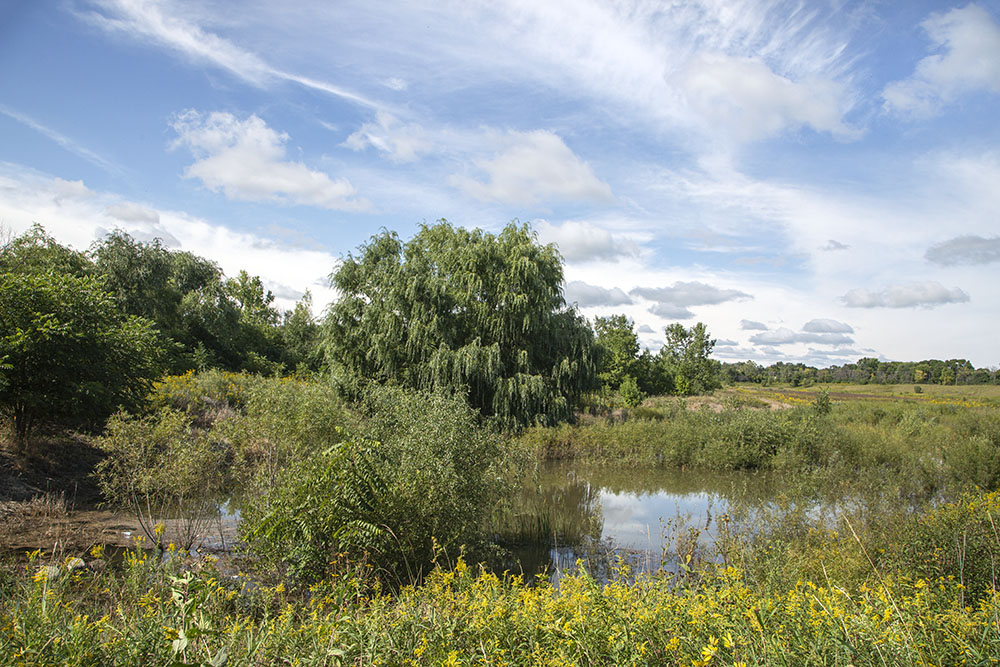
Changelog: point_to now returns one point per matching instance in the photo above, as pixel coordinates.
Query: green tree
(299, 334)
(618, 345)
(464, 311)
(34, 251)
(72, 354)
(686, 356)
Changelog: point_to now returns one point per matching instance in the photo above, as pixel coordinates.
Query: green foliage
(418, 475)
(618, 346)
(161, 466)
(467, 311)
(72, 354)
(630, 392)
(36, 252)
(686, 356)
(822, 404)
(300, 336)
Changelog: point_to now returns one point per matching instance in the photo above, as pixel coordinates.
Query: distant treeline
(865, 371)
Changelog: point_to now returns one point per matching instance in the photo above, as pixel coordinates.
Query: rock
(49, 571)
(97, 565)
(75, 564)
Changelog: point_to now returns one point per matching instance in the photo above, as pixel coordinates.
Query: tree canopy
(70, 352)
(465, 311)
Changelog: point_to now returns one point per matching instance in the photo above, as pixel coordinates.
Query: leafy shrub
(417, 475)
(630, 392)
(162, 466)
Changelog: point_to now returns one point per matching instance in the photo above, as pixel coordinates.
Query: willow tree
(464, 311)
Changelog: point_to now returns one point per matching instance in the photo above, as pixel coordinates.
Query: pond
(644, 516)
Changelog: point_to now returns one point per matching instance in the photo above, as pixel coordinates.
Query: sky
(816, 181)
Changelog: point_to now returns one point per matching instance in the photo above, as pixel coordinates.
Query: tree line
(468, 313)
(867, 370)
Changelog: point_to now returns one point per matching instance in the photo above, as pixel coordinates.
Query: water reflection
(647, 517)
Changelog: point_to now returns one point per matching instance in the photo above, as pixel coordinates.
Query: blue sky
(816, 181)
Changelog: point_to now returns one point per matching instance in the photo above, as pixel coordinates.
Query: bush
(418, 475)
(630, 392)
(162, 466)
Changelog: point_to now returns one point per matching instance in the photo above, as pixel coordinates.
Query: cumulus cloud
(581, 241)
(246, 160)
(924, 294)
(752, 325)
(645, 328)
(690, 294)
(969, 41)
(531, 167)
(834, 245)
(827, 326)
(586, 296)
(401, 143)
(785, 336)
(965, 250)
(751, 100)
(726, 342)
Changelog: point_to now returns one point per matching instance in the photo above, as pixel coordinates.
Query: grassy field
(966, 395)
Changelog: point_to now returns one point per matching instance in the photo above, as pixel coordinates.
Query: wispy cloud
(400, 142)
(61, 139)
(152, 21)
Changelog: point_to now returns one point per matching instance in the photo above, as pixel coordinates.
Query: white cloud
(747, 99)
(402, 143)
(533, 167)
(645, 328)
(245, 159)
(969, 40)
(77, 216)
(827, 326)
(834, 245)
(671, 311)
(726, 342)
(581, 241)
(924, 294)
(752, 325)
(785, 336)
(692, 293)
(587, 296)
(129, 212)
(965, 250)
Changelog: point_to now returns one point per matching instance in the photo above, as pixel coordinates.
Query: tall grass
(933, 445)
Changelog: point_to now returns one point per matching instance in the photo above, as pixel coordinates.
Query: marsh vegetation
(466, 490)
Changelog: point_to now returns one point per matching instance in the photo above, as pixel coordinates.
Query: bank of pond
(399, 529)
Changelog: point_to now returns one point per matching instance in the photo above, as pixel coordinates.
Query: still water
(645, 517)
